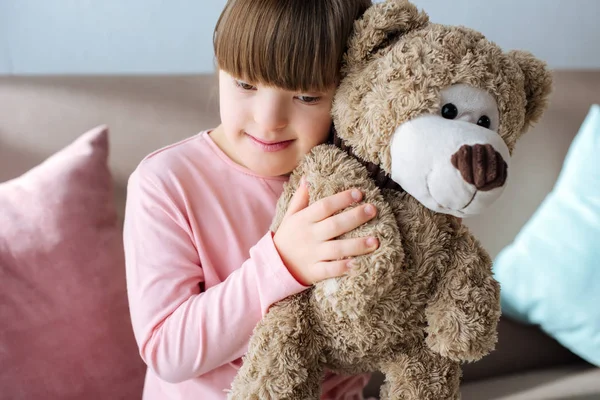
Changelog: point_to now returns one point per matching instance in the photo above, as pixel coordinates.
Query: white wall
(175, 36)
(565, 33)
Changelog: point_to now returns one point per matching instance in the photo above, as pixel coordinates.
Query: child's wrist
(290, 270)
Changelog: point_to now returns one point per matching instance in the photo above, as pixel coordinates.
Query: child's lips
(270, 146)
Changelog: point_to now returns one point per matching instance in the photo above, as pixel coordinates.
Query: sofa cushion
(64, 324)
(569, 382)
(550, 274)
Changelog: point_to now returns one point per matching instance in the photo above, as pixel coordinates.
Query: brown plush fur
(425, 300)
(404, 79)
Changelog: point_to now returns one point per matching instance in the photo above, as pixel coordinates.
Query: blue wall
(175, 36)
(107, 36)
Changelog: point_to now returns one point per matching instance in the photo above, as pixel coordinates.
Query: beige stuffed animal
(438, 109)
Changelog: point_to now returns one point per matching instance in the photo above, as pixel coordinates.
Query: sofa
(64, 323)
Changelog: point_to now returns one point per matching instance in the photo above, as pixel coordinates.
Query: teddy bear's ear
(538, 84)
(380, 24)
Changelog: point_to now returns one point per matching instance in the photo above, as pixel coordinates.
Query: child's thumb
(300, 198)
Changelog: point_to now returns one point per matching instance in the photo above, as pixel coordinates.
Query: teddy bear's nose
(481, 165)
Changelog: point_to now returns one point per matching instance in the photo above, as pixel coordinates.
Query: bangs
(290, 44)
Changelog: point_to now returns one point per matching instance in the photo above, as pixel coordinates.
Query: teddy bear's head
(438, 108)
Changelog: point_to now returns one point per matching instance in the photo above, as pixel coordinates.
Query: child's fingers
(329, 269)
(328, 206)
(300, 198)
(344, 222)
(346, 248)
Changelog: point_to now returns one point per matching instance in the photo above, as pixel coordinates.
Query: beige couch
(40, 115)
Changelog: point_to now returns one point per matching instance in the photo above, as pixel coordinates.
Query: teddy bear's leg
(282, 361)
(421, 374)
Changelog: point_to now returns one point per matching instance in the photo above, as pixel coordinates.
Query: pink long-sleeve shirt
(202, 269)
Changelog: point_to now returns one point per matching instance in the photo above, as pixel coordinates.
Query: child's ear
(379, 25)
(538, 84)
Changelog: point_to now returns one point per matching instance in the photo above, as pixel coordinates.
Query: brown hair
(296, 45)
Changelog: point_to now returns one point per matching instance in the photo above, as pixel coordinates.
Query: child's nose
(271, 117)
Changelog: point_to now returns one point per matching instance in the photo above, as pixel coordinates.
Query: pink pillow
(65, 331)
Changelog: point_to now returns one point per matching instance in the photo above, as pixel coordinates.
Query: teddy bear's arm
(463, 315)
(328, 171)
(282, 361)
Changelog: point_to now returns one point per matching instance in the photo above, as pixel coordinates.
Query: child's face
(268, 130)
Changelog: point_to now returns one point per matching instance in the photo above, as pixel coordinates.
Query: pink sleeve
(182, 332)
(340, 387)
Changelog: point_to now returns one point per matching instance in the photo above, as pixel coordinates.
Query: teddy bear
(426, 118)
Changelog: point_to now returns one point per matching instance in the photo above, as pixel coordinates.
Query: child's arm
(181, 332)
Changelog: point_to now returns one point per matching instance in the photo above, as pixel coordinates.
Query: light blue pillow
(550, 274)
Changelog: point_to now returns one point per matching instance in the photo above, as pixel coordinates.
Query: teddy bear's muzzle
(450, 166)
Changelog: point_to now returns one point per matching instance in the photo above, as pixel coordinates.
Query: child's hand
(304, 238)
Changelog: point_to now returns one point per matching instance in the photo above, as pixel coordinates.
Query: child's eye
(243, 85)
(309, 99)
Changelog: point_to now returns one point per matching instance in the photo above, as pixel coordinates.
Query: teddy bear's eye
(449, 111)
(484, 121)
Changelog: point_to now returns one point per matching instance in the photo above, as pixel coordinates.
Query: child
(202, 266)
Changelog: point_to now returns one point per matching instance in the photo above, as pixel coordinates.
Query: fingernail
(303, 181)
(371, 242)
(369, 210)
(351, 264)
(356, 195)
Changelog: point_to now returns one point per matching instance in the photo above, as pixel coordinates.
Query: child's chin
(270, 170)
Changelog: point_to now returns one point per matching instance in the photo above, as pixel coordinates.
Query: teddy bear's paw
(418, 391)
(420, 374)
